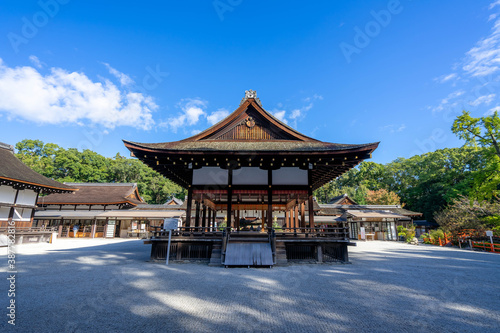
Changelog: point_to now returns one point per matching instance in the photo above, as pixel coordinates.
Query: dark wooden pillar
(296, 216)
(287, 222)
(269, 198)
(237, 219)
(263, 219)
(188, 207)
(213, 219)
(310, 199)
(197, 216)
(209, 219)
(303, 215)
(229, 197)
(204, 217)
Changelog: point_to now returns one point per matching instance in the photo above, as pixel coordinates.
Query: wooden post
(296, 216)
(237, 221)
(209, 219)
(269, 199)
(213, 220)
(287, 222)
(94, 226)
(310, 199)
(229, 197)
(263, 220)
(204, 218)
(197, 216)
(303, 216)
(188, 207)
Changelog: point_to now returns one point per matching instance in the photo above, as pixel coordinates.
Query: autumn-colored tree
(464, 214)
(382, 197)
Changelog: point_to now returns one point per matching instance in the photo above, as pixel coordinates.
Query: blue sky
(87, 74)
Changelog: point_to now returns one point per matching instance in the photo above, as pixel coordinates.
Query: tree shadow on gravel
(114, 288)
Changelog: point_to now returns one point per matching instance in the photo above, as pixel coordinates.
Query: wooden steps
(248, 249)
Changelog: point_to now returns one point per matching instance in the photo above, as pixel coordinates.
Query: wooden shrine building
(253, 166)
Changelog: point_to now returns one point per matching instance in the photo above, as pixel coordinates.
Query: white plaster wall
(210, 176)
(4, 213)
(250, 176)
(7, 194)
(289, 176)
(26, 197)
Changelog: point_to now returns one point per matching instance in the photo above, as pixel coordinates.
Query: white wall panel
(26, 197)
(289, 176)
(7, 194)
(250, 176)
(210, 176)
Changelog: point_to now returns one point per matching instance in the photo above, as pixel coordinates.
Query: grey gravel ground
(103, 285)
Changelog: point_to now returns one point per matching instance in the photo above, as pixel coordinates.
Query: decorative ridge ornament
(251, 94)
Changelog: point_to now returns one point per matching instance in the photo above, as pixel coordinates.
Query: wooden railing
(30, 229)
(193, 232)
(336, 233)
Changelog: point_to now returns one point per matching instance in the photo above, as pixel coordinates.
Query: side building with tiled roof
(378, 222)
(102, 210)
(20, 188)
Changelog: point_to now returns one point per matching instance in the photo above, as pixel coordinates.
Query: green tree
(483, 132)
(38, 156)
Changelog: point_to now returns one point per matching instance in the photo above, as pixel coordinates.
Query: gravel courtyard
(109, 285)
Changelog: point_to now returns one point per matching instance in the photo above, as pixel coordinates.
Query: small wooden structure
(252, 165)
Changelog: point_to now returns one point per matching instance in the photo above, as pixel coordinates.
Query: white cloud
(35, 61)
(486, 99)
(484, 58)
(313, 98)
(280, 114)
(492, 17)
(296, 114)
(194, 132)
(393, 128)
(492, 110)
(70, 97)
(445, 78)
(494, 4)
(445, 102)
(124, 79)
(217, 116)
(192, 110)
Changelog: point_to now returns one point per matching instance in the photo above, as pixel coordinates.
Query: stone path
(109, 285)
